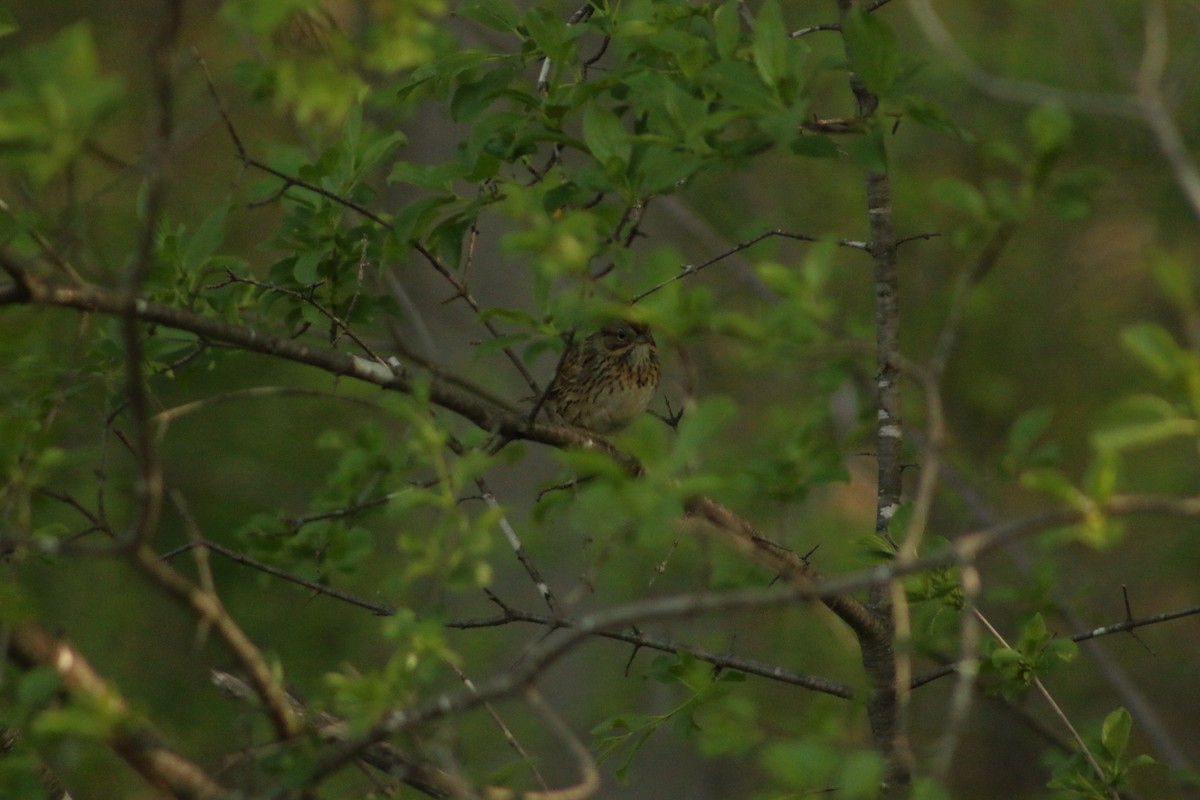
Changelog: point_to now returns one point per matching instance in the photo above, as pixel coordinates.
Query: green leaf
(1155, 349)
(960, 195)
(8, 23)
(661, 169)
(861, 775)
(929, 789)
(1024, 435)
(207, 238)
(727, 28)
(800, 764)
(549, 32)
(377, 150)
(305, 270)
(471, 98)
(1049, 126)
(872, 47)
(1033, 633)
(606, 137)
(38, 687)
(1139, 421)
(1101, 479)
(499, 15)
(437, 177)
(1006, 656)
(412, 220)
(771, 42)
(589, 462)
(739, 85)
(512, 315)
(1052, 482)
(1063, 650)
(1114, 733)
(54, 100)
(929, 114)
(1173, 274)
(1071, 194)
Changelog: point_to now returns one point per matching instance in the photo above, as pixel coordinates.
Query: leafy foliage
(287, 334)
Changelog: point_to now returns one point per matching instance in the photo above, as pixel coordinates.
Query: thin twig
(1094, 633)
(169, 415)
(835, 26)
(363, 263)
(638, 639)
(505, 731)
(245, 560)
(514, 541)
(688, 270)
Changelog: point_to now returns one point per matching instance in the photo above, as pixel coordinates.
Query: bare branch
(505, 731)
(835, 26)
(688, 270)
(638, 640)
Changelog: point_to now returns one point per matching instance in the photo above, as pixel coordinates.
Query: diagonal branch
(130, 736)
(209, 610)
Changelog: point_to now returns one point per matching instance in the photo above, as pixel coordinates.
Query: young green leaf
(1155, 349)
(605, 136)
(1139, 421)
(872, 47)
(1114, 733)
(770, 43)
(727, 28)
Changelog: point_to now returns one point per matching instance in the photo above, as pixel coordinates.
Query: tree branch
(639, 640)
(884, 709)
(130, 736)
(967, 548)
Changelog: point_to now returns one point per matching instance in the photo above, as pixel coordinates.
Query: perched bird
(603, 383)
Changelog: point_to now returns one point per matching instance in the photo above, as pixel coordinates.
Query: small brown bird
(605, 382)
